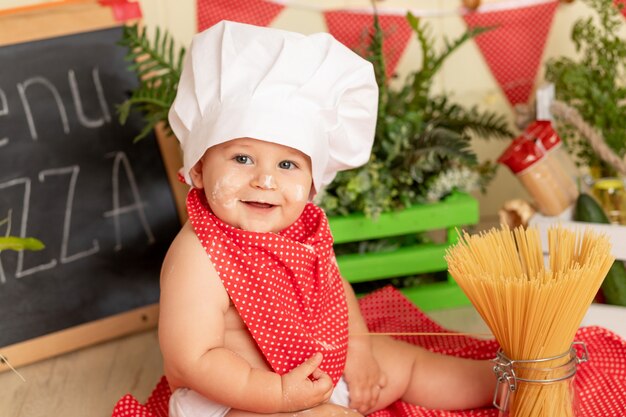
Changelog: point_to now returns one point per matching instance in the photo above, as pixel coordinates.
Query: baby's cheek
(296, 193)
(224, 192)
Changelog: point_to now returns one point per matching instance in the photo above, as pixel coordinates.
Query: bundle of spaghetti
(533, 309)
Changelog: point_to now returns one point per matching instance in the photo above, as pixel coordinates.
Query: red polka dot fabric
(513, 50)
(600, 382)
(621, 3)
(286, 286)
(158, 402)
(156, 406)
(354, 29)
(254, 12)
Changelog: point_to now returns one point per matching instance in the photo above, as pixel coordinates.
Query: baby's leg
(324, 410)
(430, 380)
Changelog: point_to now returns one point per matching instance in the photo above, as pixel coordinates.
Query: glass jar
(539, 387)
(611, 194)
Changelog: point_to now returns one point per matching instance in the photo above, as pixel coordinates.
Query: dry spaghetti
(533, 309)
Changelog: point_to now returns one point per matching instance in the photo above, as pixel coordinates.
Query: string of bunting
(513, 51)
(457, 8)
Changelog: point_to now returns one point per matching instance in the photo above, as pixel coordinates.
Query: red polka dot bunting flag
(353, 29)
(254, 12)
(513, 50)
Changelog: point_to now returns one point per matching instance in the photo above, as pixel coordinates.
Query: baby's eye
(287, 165)
(243, 159)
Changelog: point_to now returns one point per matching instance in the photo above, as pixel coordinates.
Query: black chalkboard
(71, 176)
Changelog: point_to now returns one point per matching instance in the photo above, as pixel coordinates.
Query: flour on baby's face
(300, 195)
(223, 192)
(268, 182)
(296, 193)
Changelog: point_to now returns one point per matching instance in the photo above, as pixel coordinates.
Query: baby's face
(254, 185)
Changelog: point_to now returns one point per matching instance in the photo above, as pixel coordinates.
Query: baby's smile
(258, 204)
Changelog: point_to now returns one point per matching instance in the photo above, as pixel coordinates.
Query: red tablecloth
(601, 381)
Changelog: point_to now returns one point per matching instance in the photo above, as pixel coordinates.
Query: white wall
(465, 76)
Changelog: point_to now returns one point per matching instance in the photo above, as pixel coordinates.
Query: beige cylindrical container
(557, 158)
(528, 162)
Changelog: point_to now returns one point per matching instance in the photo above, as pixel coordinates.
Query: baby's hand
(306, 385)
(364, 378)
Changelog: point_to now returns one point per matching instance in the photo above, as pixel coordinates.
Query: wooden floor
(85, 383)
(88, 382)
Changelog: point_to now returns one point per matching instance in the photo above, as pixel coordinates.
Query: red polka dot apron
(285, 286)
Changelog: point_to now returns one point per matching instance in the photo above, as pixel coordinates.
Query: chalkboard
(71, 176)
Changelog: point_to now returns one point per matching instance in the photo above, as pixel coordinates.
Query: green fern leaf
(159, 66)
(444, 143)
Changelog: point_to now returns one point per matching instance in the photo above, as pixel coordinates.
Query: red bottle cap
(521, 154)
(542, 130)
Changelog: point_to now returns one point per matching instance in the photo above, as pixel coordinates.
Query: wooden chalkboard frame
(49, 21)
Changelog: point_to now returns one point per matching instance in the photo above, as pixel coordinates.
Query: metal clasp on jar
(505, 370)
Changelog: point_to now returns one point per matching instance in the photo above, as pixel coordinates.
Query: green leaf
(444, 143)
(19, 243)
(158, 64)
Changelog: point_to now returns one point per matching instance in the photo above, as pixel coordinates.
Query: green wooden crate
(456, 211)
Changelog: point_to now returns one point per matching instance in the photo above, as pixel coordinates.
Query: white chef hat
(310, 93)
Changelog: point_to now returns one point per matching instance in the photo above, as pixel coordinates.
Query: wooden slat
(173, 161)
(436, 296)
(416, 259)
(81, 336)
(459, 209)
(47, 22)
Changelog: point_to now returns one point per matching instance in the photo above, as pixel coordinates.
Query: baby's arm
(191, 334)
(362, 373)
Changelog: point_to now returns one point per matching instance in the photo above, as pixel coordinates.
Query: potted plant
(594, 85)
(417, 180)
(422, 147)
(419, 171)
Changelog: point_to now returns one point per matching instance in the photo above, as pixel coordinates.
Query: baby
(255, 317)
